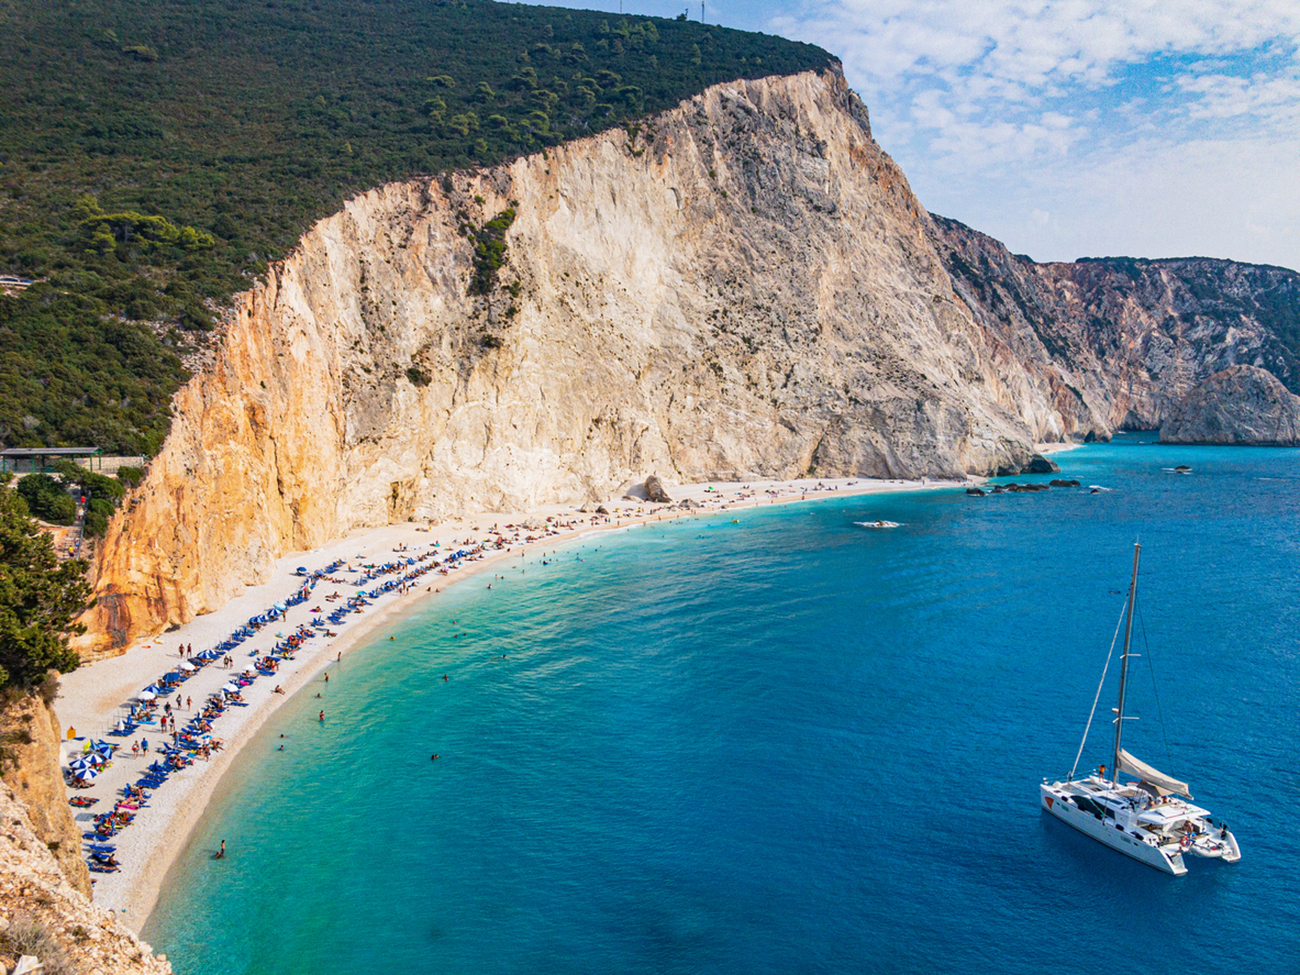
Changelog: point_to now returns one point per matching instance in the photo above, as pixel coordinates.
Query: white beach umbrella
(146, 695)
(186, 666)
(232, 688)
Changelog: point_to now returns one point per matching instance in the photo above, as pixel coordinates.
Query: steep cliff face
(744, 286)
(1240, 405)
(31, 734)
(1120, 341)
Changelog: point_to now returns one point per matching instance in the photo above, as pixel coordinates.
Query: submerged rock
(1064, 482)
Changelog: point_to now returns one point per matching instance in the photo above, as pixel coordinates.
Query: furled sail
(1146, 773)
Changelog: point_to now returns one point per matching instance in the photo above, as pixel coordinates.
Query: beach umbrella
(172, 675)
(80, 763)
(187, 667)
(147, 695)
(231, 688)
(154, 688)
(281, 606)
(87, 774)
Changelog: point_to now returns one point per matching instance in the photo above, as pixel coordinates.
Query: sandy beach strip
(93, 698)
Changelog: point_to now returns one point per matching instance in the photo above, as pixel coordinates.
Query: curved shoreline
(89, 699)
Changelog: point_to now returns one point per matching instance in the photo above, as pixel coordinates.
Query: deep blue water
(790, 744)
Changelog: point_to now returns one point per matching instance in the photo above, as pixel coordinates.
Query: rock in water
(1038, 464)
(1063, 482)
(1240, 405)
(975, 492)
(654, 490)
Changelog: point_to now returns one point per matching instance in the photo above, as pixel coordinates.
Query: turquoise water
(789, 744)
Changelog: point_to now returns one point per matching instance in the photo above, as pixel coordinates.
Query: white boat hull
(1105, 831)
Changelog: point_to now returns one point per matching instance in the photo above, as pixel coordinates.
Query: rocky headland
(1240, 405)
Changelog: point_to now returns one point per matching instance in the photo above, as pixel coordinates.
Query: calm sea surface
(789, 744)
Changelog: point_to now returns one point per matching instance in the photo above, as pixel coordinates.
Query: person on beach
(189, 704)
(135, 749)
(144, 745)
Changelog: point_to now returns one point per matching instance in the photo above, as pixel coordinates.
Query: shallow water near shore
(789, 743)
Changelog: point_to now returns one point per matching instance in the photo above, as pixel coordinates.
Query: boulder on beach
(654, 490)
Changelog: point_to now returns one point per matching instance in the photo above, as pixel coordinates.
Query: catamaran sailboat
(1151, 819)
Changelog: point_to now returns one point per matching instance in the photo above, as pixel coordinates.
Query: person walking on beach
(189, 704)
(135, 749)
(144, 745)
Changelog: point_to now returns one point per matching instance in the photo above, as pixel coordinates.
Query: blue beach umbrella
(80, 763)
(87, 774)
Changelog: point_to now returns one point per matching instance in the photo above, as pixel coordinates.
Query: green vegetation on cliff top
(156, 154)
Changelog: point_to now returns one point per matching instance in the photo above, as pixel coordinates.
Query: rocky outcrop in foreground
(32, 767)
(1240, 405)
(41, 914)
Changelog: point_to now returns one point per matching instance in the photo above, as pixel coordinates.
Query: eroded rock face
(34, 890)
(747, 289)
(1239, 405)
(744, 288)
(35, 774)
(1119, 341)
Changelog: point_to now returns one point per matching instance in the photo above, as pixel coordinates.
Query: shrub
(28, 936)
(130, 476)
(46, 499)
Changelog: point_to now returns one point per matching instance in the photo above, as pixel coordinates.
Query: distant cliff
(1240, 405)
(741, 287)
(1122, 340)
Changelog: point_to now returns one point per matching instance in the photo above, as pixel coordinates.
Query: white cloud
(1146, 127)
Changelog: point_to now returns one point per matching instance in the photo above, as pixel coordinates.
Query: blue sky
(1152, 128)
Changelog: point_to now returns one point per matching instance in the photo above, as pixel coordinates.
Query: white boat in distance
(1151, 819)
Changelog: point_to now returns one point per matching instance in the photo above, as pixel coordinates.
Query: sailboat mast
(1123, 668)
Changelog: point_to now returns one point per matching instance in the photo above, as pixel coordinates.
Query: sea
(778, 740)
